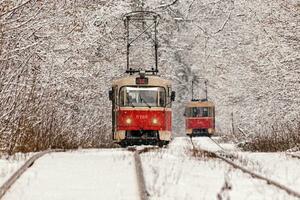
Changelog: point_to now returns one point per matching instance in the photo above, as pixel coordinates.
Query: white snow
(173, 174)
(208, 144)
(170, 173)
(9, 164)
(95, 174)
(277, 166)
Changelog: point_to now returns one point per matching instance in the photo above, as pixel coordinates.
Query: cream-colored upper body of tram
(200, 104)
(152, 81)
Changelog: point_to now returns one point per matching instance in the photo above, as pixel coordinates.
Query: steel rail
(293, 155)
(258, 176)
(140, 176)
(14, 177)
(253, 174)
(143, 193)
(218, 144)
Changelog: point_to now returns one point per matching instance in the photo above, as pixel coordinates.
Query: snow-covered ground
(170, 173)
(9, 164)
(277, 166)
(210, 145)
(173, 174)
(93, 174)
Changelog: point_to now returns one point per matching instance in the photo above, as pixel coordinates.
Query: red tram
(141, 102)
(199, 115)
(141, 111)
(200, 118)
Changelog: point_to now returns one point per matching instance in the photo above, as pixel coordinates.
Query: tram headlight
(154, 121)
(128, 121)
(189, 131)
(210, 130)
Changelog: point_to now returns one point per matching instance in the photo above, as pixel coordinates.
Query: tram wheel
(161, 143)
(123, 144)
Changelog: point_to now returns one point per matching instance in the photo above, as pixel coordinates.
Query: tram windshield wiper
(130, 102)
(145, 102)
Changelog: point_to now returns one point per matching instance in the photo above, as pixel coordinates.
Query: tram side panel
(144, 120)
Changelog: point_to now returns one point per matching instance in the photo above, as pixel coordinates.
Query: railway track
(14, 177)
(144, 195)
(228, 158)
(293, 155)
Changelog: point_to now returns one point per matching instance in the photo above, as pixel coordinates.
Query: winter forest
(58, 59)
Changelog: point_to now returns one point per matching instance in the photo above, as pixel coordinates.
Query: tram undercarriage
(142, 137)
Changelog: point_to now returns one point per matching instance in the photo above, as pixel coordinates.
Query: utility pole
(205, 82)
(192, 90)
(232, 124)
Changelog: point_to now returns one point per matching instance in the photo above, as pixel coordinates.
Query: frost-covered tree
(58, 58)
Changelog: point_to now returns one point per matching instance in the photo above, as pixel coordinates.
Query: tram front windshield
(199, 112)
(142, 96)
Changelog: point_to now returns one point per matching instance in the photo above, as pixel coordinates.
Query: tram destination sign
(141, 80)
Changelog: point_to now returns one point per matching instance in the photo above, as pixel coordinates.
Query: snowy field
(93, 174)
(8, 165)
(277, 166)
(171, 174)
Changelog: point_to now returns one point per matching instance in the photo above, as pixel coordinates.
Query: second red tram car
(141, 110)
(200, 118)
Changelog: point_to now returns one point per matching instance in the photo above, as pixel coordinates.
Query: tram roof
(200, 104)
(152, 80)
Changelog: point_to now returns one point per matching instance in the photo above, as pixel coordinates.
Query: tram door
(114, 99)
(213, 116)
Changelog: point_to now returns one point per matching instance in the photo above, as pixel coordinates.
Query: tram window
(187, 112)
(147, 97)
(142, 96)
(197, 112)
(200, 112)
(169, 91)
(205, 112)
(122, 98)
(162, 97)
